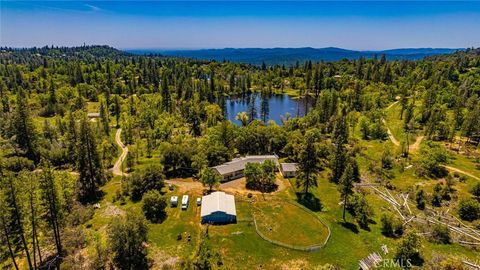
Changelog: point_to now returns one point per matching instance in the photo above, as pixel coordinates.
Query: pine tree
(340, 136)
(15, 217)
(25, 135)
(117, 109)
(5, 228)
(346, 186)
(104, 117)
(89, 165)
(166, 99)
(308, 161)
(31, 188)
(71, 138)
(50, 201)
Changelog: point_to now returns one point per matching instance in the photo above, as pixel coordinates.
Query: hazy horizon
(238, 48)
(303, 47)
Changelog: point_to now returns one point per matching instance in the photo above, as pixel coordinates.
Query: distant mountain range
(289, 56)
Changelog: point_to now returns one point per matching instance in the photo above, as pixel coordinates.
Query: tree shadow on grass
(310, 201)
(351, 226)
(96, 198)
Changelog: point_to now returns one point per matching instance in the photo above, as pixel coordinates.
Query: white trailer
(174, 201)
(184, 202)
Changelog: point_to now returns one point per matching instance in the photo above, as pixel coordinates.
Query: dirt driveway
(186, 184)
(234, 186)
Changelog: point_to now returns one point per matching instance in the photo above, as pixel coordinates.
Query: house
(184, 202)
(173, 201)
(288, 170)
(234, 169)
(218, 208)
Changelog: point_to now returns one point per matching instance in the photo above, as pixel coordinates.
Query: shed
(288, 170)
(173, 201)
(218, 208)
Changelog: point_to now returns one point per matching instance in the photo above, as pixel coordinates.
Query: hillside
(94, 143)
(289, 56)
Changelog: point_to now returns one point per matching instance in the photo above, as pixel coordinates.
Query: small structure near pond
(218, 208)
(288, 170)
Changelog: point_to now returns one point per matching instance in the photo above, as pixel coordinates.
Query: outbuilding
(218, 208)
(288, 170)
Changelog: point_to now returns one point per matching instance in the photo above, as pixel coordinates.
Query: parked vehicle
(184, 202)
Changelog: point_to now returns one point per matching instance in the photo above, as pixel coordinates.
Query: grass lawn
(287, 223)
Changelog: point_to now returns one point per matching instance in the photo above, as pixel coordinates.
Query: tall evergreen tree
(340, 136)
(346, 186)
(25, 135)
(15, 215)
(89, 164)
(50, 201)
(308, 161)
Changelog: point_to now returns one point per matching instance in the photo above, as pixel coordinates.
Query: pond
(273, 107)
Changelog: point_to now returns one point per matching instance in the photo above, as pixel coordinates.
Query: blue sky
(191, 25)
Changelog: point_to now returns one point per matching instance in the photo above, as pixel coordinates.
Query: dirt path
(413, 147)
(238, 186)
(186, 185)
(117, 168)
(391, 105)
(390, 134)
(462, 172)
(234, 186)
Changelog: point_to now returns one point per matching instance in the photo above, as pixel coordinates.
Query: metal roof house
(234, 169)
(218, 208)
(288, 170)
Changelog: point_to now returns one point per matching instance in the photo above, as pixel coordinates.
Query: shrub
(358, 207)
(154, 205)
(420, 199)
(150, 179)
(17, 164)
(476, 190)
(261, 176)
(469, 210)
(409, 250)
(433, 155)
(441, 234)
(126, 237)
(391, 226)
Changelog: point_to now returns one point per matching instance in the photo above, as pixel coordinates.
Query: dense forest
(55, 156)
